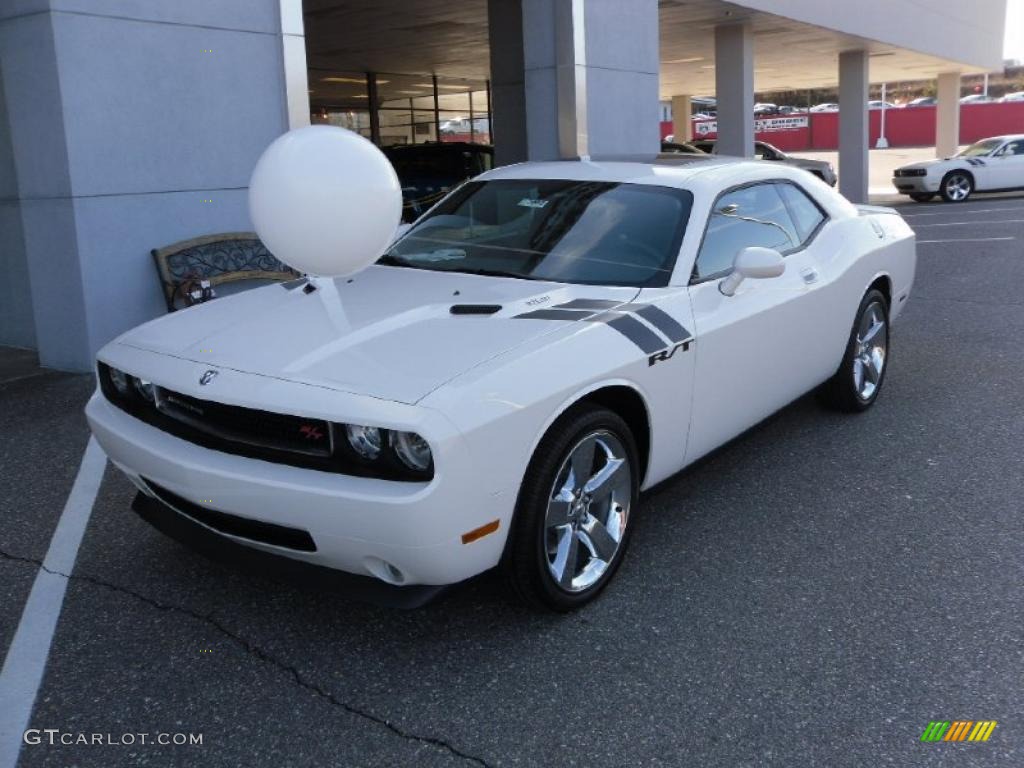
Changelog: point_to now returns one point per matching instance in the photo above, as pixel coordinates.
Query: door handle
(810, 275)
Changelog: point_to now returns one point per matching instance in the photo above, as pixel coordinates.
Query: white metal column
(853, 125)
(734, 89)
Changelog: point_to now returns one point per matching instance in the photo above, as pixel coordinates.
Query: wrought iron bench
(191, 270)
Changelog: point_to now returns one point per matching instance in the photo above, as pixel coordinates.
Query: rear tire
(571, 526)
(922, 197)
(956, 186)
(856, 384)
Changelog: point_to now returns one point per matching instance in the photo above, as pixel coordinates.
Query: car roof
(682, 171)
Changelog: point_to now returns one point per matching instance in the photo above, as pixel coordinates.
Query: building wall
(141, 128)
(17, 328)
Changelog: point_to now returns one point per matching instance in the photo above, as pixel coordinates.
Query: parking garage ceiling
(451, 40)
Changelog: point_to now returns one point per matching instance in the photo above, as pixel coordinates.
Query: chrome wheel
(958, 187)
(870, 351)
(587, 512)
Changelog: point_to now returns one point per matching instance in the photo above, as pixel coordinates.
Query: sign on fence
(762, 124)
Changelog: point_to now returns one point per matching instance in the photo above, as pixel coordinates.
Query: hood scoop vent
(475, 309)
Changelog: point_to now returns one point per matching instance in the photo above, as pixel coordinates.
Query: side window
(806, 214)
(745, 217)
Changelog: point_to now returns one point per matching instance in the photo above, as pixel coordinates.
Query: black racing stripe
(664, 323)
(589, 304)
(633, 330)
(554, 314)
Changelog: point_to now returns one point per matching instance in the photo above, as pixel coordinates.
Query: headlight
(366, 441)
(146, 389)
(120, 381)
(412, 450)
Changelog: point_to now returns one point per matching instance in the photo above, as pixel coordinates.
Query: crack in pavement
(259, 653)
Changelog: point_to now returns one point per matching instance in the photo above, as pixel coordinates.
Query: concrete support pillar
(947, 115)
(734, 89)
(682, 125)
(853, 125)
(573, 78)
(116, 154)
(508, 96)
(293, 50)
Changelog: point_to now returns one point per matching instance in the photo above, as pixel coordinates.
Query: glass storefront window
(407, 112)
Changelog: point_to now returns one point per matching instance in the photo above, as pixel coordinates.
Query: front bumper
(916, 185)
(401, 533)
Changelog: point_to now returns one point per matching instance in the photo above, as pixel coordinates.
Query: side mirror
(755, 263)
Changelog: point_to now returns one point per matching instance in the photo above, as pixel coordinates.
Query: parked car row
(766, 109)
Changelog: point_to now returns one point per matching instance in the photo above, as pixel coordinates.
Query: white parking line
(967, 240)
(967, 210)
(23, 668)
(962, 223)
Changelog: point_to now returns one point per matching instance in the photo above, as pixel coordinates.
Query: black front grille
(254, 530)
(260, 429)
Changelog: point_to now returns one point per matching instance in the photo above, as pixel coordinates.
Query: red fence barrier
(914, 127)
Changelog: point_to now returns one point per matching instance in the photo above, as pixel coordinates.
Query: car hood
(939, 164)
(387, 332)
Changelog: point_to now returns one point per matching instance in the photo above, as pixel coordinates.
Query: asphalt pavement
(813, 594)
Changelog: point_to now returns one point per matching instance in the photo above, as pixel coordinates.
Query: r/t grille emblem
(207, 377)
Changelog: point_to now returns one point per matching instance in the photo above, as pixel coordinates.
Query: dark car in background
(427, 171)
(765, 151)
(680, 148)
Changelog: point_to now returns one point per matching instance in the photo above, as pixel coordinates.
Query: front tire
(956, 186)
(571, 527)
(855, 386)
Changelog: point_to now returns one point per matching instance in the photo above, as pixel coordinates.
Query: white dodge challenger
(989, 165)
(545, 343)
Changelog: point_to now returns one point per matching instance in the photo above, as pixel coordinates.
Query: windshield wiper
(390, 260)
(489, 272)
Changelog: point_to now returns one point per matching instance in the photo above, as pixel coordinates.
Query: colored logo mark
(958, 730)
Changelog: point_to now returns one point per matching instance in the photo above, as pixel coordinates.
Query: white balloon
(325, 200)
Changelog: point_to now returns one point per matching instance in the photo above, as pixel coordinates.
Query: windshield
(588, 232)
(980, 148)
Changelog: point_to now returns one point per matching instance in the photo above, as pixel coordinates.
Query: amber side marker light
(478, 533)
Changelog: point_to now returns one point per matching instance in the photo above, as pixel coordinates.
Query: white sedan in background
(545, 343)
(990, 165)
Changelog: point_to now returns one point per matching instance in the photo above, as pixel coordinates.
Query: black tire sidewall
(524, 560)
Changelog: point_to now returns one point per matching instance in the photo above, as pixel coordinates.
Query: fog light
(385, 571)
(412, 450)
(365, 441)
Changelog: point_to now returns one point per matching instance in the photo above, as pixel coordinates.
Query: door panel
(773, 340)
(1006, 170)
(751, 352)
